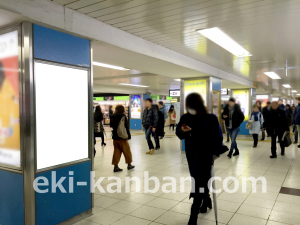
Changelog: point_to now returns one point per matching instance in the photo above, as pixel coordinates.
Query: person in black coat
(277, 124)
(266, 112)
(98, 118)
(201, 132)
(150, 119)
(233, 117)
(159, 128)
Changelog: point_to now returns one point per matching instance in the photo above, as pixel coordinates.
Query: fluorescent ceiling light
(134, 85)
(177, 79)
(286, 85)
(272, 75)
(109, 66)
(298, 94)
(216, 35)
(294, 91)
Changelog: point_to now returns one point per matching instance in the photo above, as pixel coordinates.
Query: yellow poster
(242, 98)
(9, 100)
(198, 86)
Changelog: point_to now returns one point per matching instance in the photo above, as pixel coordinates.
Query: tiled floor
(271, 208)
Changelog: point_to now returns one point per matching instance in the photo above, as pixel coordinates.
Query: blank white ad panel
(61, 95)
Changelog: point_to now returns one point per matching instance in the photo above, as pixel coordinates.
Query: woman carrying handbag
(256, 119)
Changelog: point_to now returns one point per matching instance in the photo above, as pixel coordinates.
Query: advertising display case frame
(3, 166)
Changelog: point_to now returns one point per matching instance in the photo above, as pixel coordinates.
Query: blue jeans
(233, 134)
(148, 133)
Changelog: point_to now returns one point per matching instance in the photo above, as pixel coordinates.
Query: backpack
(121, 131)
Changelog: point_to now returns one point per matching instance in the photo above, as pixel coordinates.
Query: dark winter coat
(237, 117)
(160, 124)
(297, 115)
(266, 113)
(150, 117)
(277, 121)
(201, 143)
(114, 124)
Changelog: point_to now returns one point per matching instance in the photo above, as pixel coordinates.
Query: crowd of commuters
(199, 126)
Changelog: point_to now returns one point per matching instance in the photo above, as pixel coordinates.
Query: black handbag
(287, 140)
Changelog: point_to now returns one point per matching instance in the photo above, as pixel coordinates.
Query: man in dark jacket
(277, 124)
(233, 117)
(150, 120)
(296, 118)
(265, 112)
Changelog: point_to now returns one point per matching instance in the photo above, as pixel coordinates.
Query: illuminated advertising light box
(9, 100)
(174, 93)
(135, 106)
(242, 98)
(61, 122)
(198, 86)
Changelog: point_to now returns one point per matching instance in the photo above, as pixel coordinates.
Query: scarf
(255, 114)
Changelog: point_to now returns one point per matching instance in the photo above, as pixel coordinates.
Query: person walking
(278, 125)
(172, 117)
(150, 120)
(163, 109)
(120, 135)
(159, 129)
(281, 105)
(265, 112)
(98, 125)
(233, 117)
(296, 120)
(202, 135)
(257, 120)
(110, 111)
(288, 111)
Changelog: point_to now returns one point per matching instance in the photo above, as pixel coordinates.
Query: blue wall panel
(60, 47)
(135, 124)
(216, 84)
(54, 208)
(11, 198)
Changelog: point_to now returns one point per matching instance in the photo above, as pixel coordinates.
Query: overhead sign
(174, 93)
(224, 91)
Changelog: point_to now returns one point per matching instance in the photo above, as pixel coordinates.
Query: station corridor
(271, 208)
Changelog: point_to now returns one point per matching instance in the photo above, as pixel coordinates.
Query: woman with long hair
(257, 120)
(98, 128)
(172, 117)
(203, 137)
(120, 135)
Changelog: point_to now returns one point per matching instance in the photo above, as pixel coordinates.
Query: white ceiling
(8, 18)
(268, 29)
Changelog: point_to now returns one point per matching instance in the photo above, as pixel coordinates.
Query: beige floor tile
(162, 203)
(124, 207)
(148, 213)
(106, 217)
(254, 211)
(130, 220)
(173, 218)
(285, 217)
(239, 219)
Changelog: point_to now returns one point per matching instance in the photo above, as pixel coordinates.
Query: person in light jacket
(257, 120)
(172, 117)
